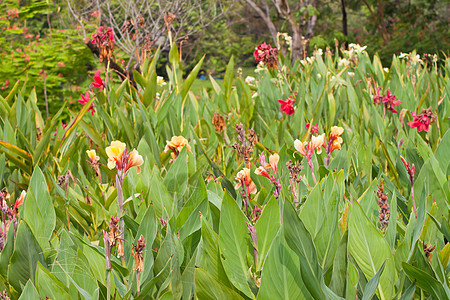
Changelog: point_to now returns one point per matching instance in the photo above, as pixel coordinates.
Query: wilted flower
(410, 169)
(428, 250)
(98, 82)
(243, 177)
(104, 41)
(266, 54)
(287, 105)
(137, 252)
(19, 201)
(176, 144)
(219, 122)
(422, 121)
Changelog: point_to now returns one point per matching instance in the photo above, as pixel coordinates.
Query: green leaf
(38, 209)
(425, 281)
(371, 286)
(267, 227)
(299, 240)
(339, 273)
(233, 244)
(281, 277)
(27, 253)
(370, 250)
(176, 179)
(6, 253)
(190, 79)
(148, 229)
(207, 287)
(29, 292)
(228, 78)
(49, 285)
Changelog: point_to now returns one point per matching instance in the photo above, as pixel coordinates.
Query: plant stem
(413, 201)
(311, 166)
(138, 283)
(119, 182)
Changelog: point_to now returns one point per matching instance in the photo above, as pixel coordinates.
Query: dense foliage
(227, 195)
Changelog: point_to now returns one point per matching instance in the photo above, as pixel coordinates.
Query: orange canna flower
(115, 152)
(19, 201)
(273, 161)
(335, 134)
(244, 177)
(262, 171)
(134, 160)
(176, 144)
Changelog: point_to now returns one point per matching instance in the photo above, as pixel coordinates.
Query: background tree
(301, 17)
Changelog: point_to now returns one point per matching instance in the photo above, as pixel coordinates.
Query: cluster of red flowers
(266, 54)
(104, 41)
(388, 100)
(422, 121)
(287, 106)
(98, 82)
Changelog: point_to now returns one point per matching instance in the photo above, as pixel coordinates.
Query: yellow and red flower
(176, 144)
(307, 148)
(93, 157)
(243, 177)
(120, 158)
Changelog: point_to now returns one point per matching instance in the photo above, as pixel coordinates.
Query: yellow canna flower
(93, 156)
(115, 152)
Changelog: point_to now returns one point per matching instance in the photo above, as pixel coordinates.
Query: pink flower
(61, 64)
(266, 54)
(423, 120)
(95, 14)
(287, 105)
(314, 129)
(98, 82)
(84, 98)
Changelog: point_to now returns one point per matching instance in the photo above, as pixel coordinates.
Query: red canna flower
(287, 105)
(85, 99)
(423, 120)
(388, 101)
(314, 129)
(98, 82)
(266, 54)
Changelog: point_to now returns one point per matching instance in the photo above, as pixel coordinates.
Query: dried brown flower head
(246, 143)
(428, 249)
(218, 122)
(137, 251)
(384, 212)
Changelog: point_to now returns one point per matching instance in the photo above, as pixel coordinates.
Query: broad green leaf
(26, 255)
(371, 286)
(299, 239)
(425, 281)
(29, 292)
(370, 250)
(267, 227)
(48, 285)
(38, 209)
(228, 78)
(280, 278)
(234, 244)
(209, 256)
(339, 273)
(207, 287)
(176, 179)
